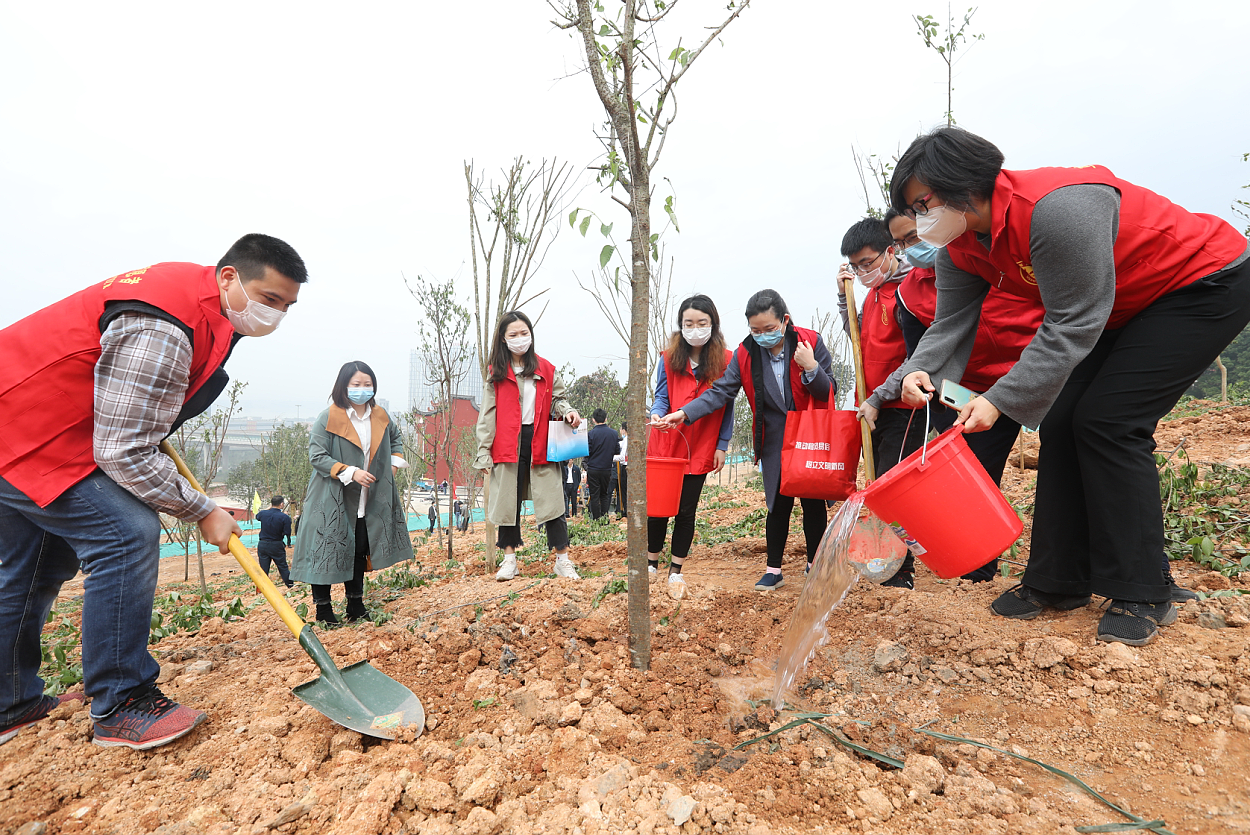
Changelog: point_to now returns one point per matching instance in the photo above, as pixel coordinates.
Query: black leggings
(557, 529)
(683, 522)
(355, 587)
(777, 526)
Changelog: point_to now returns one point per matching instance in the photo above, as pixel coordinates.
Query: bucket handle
(924, 447)
(680, 434)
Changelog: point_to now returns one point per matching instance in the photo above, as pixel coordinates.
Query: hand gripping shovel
(357, 697)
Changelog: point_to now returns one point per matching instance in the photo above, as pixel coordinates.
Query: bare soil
(538, 723)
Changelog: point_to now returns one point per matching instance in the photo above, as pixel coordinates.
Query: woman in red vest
(695, 359)
(524, 392)
(782, 368)
(1140, 296)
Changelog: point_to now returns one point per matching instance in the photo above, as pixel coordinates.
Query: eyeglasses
(862, 269)
(910, 240)
(919, 207)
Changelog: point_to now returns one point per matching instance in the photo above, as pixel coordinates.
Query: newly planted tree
(946, 44)
(635, 79)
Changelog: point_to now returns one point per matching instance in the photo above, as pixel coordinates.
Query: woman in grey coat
(353, 519)
(783, 368)
(524, 391)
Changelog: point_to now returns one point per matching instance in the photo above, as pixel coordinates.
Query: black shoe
(1175, 593)
(901, 580)
(356, 610)
(1023, 603)
(325, 614)
(1135, 624)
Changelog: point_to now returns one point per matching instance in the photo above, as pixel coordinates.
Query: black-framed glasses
(919, 207)
(910, 240)
(862, 269)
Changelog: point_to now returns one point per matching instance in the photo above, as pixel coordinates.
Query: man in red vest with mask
(88, 387)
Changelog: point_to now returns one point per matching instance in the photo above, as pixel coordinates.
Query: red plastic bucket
(947, 502)
(664, 480)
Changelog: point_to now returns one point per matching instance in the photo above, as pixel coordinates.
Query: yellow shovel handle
(861, 384)
(263, 584)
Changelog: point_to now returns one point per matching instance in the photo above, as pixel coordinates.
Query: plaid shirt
(141, 381)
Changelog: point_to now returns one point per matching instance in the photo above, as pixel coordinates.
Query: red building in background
(463, 413)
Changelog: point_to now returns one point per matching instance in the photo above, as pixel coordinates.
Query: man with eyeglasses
(1140, 295)
(872, 260)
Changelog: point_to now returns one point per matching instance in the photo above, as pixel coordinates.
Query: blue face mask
(769, 339)
(360, 395)
(922, 255)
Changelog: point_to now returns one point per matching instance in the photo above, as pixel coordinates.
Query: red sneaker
(41, 709)
(147, 719)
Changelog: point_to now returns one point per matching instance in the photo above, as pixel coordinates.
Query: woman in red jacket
(696, 357)
(524, 392)
(1140, 296)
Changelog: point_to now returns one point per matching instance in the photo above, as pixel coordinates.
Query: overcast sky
(132, 133)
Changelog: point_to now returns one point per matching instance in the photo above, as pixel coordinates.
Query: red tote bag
(820, 454)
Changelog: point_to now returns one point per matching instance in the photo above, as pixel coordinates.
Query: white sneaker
(508, 570)
(565, 568)
(676, 586)
(651, 571)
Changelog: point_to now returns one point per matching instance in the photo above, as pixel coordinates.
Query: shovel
(357, 697)
(875, 548)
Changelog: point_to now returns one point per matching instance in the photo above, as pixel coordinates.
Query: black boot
(354, 589)
(325, 609)
(356, 609)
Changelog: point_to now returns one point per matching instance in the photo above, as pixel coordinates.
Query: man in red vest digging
(88, 387)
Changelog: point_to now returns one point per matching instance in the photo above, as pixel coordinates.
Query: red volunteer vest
(506, 447)
(1008, 323)
(1160, 246)
(47, 378)
(702, 435)
(802, 399)
(881, 339)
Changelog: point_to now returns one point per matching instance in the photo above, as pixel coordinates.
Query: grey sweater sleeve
(1071, 241)
(944, 349)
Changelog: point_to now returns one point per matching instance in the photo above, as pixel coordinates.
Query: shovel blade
(359, 697)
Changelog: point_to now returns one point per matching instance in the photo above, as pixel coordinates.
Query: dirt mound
(537, 722)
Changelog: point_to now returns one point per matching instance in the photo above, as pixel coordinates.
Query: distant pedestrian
(572, 486)
(275, 526)
(621, 460)
(433, 514)
(604, 446)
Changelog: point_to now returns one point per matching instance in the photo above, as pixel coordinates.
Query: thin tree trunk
(1219, 363)
(636, 409)
(199, 557)
(490, 528)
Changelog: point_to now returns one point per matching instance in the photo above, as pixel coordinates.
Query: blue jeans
(115, 539)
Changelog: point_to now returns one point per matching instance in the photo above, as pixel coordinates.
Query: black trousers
(570, 499)
(557, 529)
(273, 551)
(893, 435)
(599, 482)
(355, 587)
(1098, 521)
(683, 522)
(777, 526)
(622, 488)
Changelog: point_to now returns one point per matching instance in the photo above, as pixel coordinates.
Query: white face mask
(255, 319)
(697, 336)
(875, 278)
(519, 344)
(940, 225)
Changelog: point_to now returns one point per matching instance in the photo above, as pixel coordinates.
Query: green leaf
(604, 31)
(585, 225)
(573, 217)
(605, 255)
(668, 207)
(605, 229)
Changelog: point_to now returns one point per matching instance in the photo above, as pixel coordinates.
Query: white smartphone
(955, 395)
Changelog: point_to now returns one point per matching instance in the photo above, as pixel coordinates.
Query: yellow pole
(861, 385)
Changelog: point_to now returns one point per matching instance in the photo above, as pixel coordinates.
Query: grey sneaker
(565, 568)
(1135, 624)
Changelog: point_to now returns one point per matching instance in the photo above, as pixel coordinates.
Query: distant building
(422, 393)
(463, 420)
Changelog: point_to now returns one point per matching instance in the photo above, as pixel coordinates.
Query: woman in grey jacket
(353, 519)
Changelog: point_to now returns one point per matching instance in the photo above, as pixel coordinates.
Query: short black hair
(872, 232)
(277, 501)
(338, 394)
(599, 416)
(766, 300)
(954, 164)
(252, 253)
(624, 426)
(890, 214)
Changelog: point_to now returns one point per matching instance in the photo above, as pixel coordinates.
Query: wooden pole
(861, 385)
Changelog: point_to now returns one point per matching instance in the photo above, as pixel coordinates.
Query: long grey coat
(325, 547)
(546, 485)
